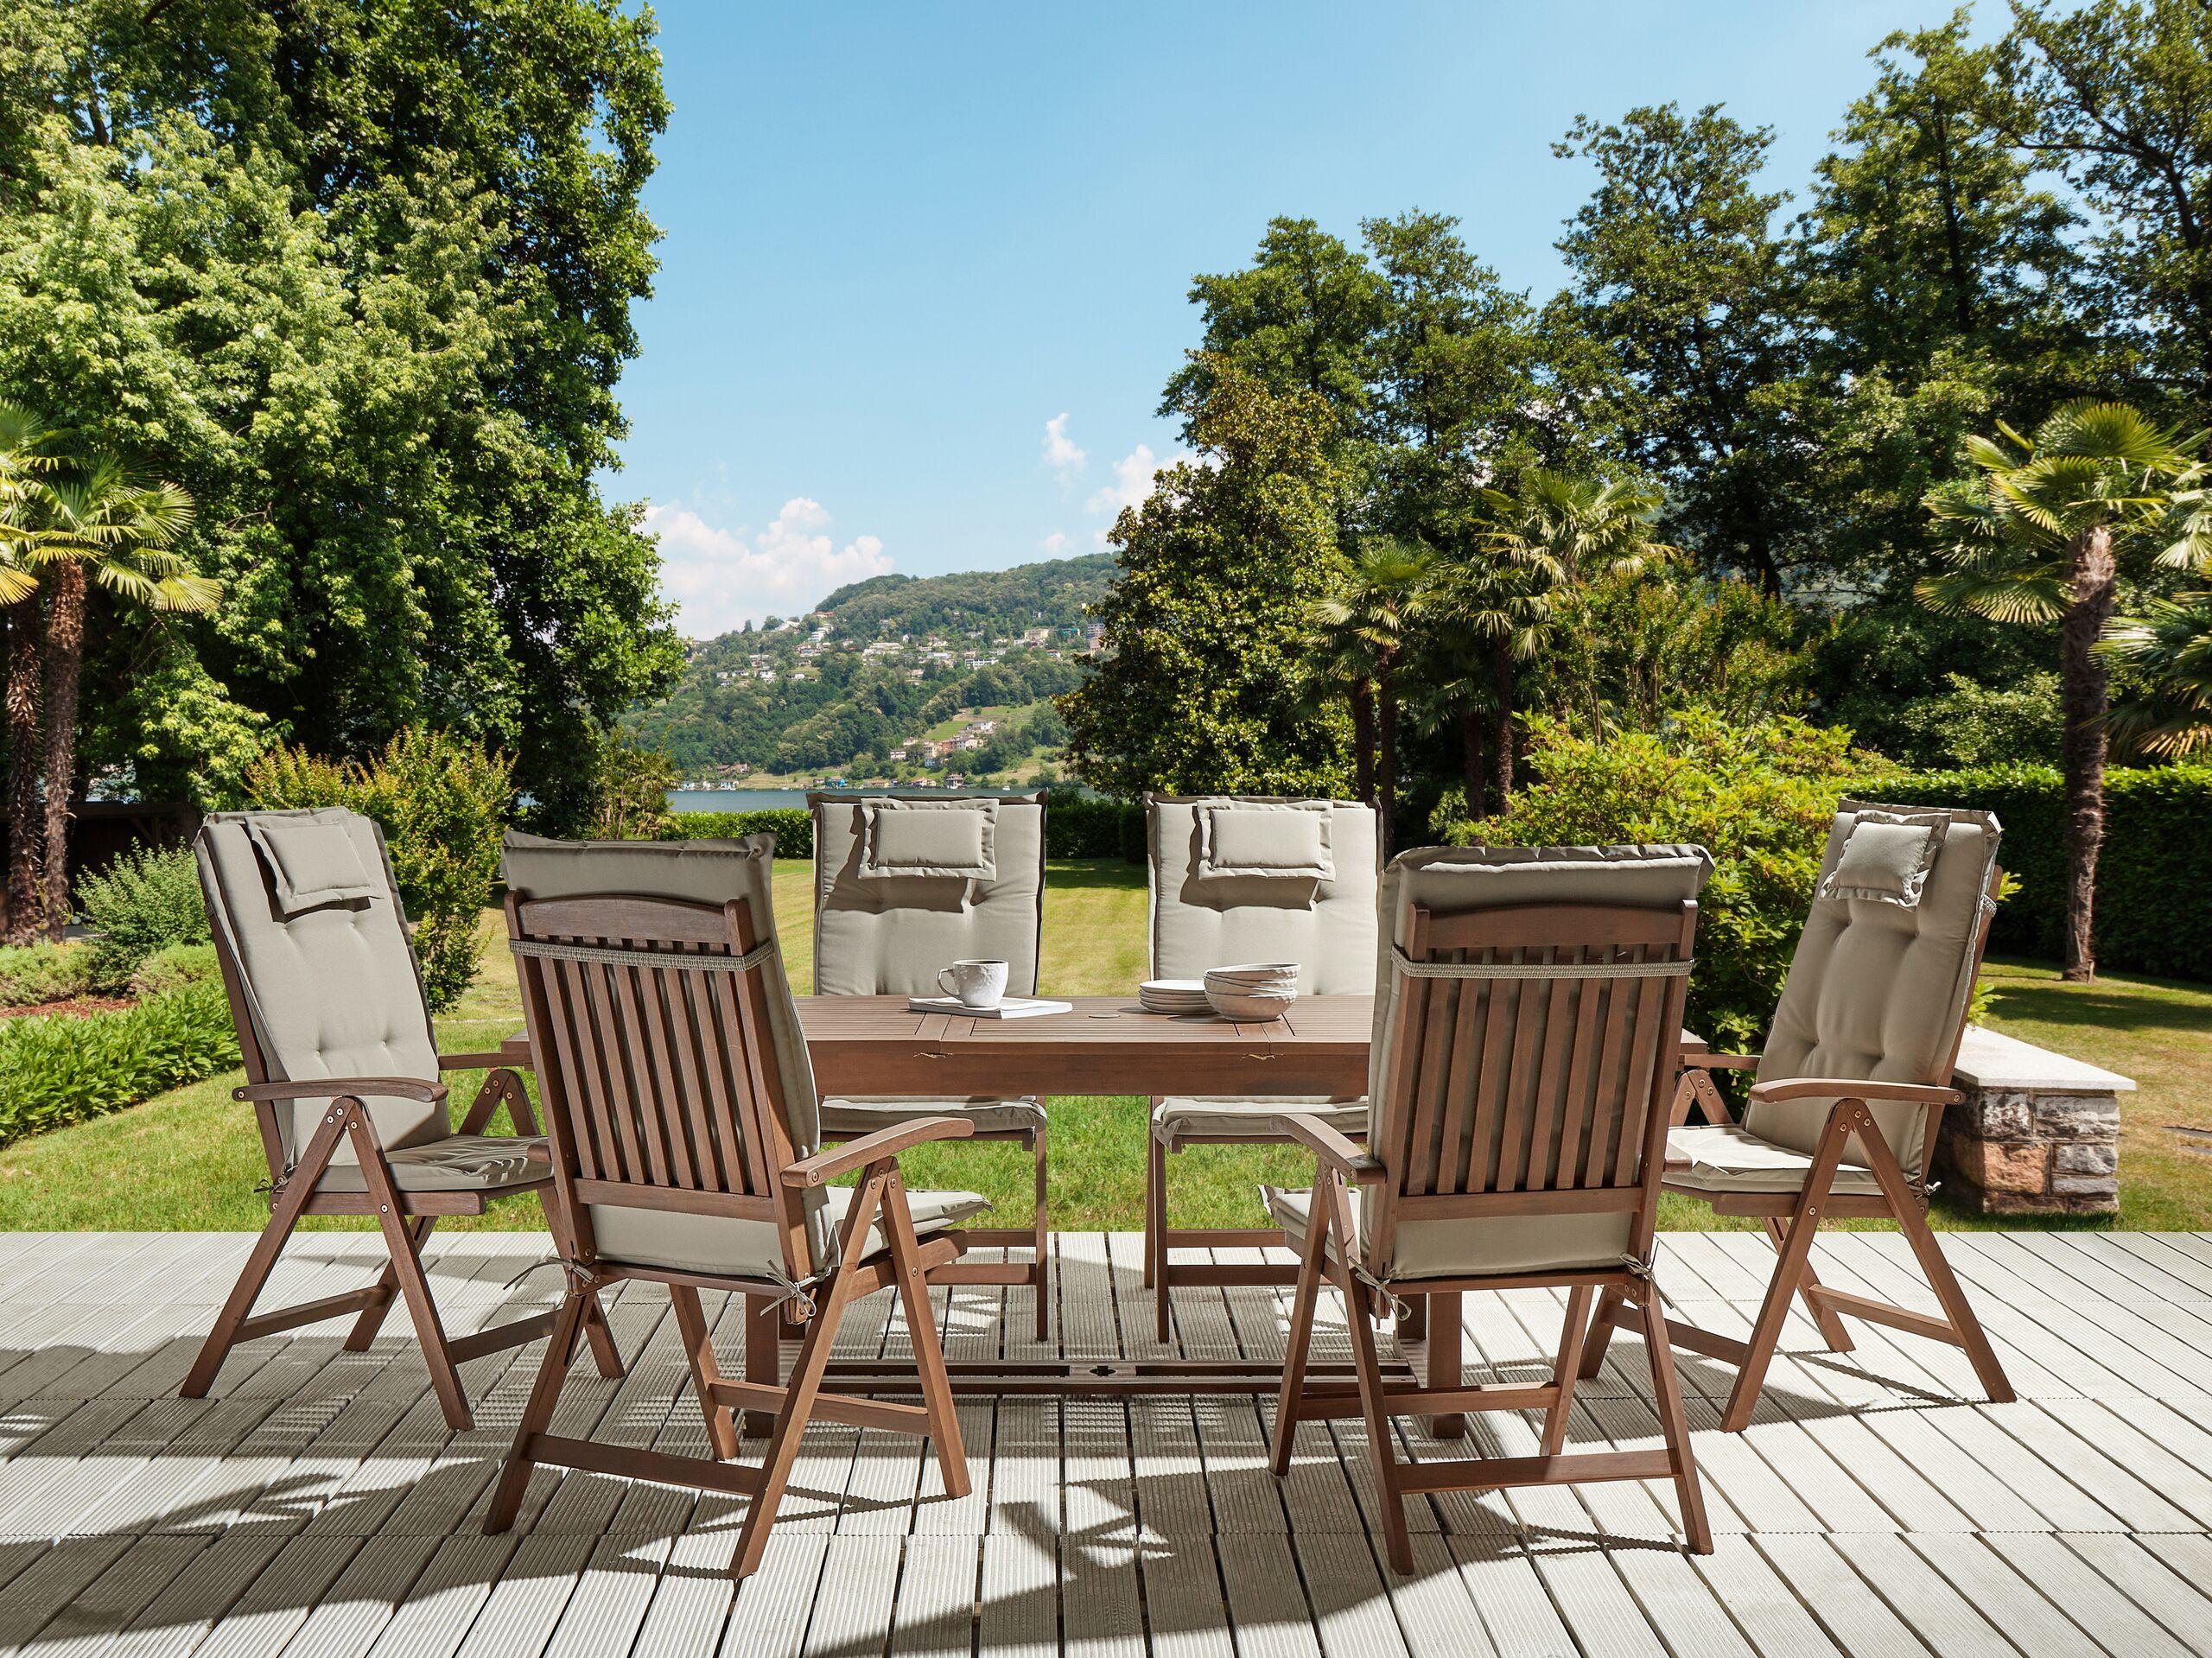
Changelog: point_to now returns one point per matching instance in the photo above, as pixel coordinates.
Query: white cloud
(1062, 452)
(720, 578)
(1133, 478)
(1055, 546)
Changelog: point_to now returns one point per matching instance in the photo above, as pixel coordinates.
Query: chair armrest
(1332, 1148)
(331, 1088)
(478, 1061)
(1721, 1061)
(1839, 1088)
(827, 1165)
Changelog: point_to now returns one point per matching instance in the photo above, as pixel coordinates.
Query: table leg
(763, 1325)
(1441, 1369)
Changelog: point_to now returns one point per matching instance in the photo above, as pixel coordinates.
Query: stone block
(2087, 1190)
(2080, 1158)
(2077, 1116)
(1997, 1115)
(1995, 1166)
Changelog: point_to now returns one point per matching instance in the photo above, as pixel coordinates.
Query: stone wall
(2038, 1133)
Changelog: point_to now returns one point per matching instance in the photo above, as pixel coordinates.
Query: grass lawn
(191, 1159)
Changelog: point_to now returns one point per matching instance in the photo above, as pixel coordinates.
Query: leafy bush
(629, 784)
(1759, 798)
(57, 1069)
(31, 974)
(145, 901)
(442, 802)
(2154, 874)
(1968, 725)
(1077, 825)
(792, 826)
(172, 965)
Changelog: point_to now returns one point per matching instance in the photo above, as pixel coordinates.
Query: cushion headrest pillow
(1290, 840)
(310, 864)
(909, 838)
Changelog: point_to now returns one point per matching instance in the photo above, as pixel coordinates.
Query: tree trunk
(24, 752)
(2091, 592)
(1386, 755)
(1363, 739)
(1470, 763)
(65, 661)
(1501, 724)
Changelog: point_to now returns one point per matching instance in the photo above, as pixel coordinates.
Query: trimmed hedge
(1075, 827)
(2154, 873)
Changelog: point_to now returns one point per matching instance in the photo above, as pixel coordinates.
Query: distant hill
(884, 663)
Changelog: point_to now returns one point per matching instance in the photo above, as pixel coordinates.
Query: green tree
(27, 457)
(2117, 94)
(1369, 620)
(2164, 650)
(1679, 275)
(1203, 685)
(117, 531)
(631, 782)
(358, 277)
(2038, 533)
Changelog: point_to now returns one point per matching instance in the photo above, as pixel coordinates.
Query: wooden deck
(316, 1504)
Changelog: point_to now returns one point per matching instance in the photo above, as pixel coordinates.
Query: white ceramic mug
(978, 984)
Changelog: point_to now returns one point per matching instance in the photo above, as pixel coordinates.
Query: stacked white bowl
(1256, 990)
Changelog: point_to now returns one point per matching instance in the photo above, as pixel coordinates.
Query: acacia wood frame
(661, 1097)
(1792, 1219)
(1556, 1080)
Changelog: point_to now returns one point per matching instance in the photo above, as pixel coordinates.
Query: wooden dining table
(1101, 1046)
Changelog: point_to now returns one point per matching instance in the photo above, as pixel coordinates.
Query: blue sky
(925, 267)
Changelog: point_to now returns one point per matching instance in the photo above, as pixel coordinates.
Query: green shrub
(171, 966)
(2154, 873)
(31, 974)
(1759, 798)
(792, 826)
(145, 900)
(442, 802)
(1087, 825)
(56, 1069)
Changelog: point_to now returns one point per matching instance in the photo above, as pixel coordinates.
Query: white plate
(1167, 988)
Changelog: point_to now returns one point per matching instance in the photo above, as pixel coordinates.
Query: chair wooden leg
(1446, 1339)
(604, 1352)
(1825, 1317)
(1042, 1266)
(1601, 1333)
(1299, 1348)
(414, 1283)
(763, 1358)
(538, 1412)
(1912, 1221)
(1789, 1264)
(283, 1217)
(805, 1380)
(1567, 1370)
(1667, 1396)
(387, 1285)
(1155, 1231)
(699, 1348)
(923, 1337)
(1397, 1543)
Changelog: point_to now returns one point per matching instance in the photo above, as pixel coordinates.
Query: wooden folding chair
(1207, 912)
(1528, 1041)
(682, 1113)
(1847, 1099)
(342, 1071)
(886, 935)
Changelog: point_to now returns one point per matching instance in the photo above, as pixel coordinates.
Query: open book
(1012, 1007)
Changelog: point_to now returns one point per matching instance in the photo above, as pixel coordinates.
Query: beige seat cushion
(737, 1249)
(864, 1116)
(1176, 1118)
(1519, 1243)
(458, 1163)
(1726, 1158)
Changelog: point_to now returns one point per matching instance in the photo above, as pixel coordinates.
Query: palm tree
(25, 461)
(118, 530)
(2037, 534)
(1366, 626)
(1555, 532)
(2166, 649)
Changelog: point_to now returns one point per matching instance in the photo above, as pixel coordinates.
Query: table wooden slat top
(1104, 1044)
